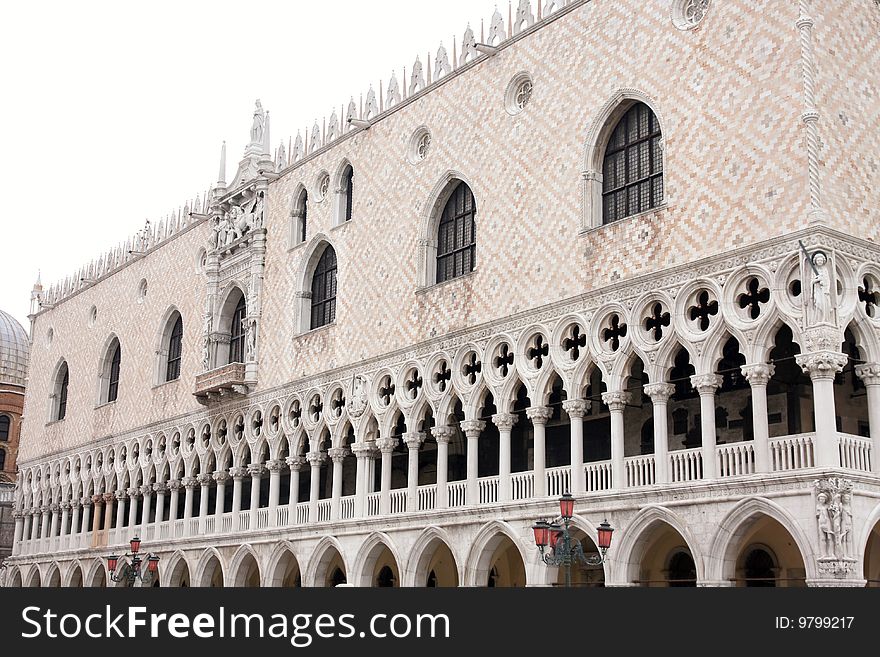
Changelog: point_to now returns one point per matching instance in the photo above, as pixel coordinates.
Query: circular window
(93, 316)
(419, 145)
(519, 93)
(687, 14)
(323, 185)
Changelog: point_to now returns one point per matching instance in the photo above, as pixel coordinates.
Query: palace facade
(620, 248)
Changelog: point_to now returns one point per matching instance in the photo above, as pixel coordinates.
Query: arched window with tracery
(324, 289)
(456, 235)
(113, 379)
(62, 382)
(237, 332)
(632, 172)
(175, 350)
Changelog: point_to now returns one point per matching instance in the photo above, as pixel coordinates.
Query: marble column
(337, 457)
(660, 394)
(86, 504)
(539, 415)
(54, 509)
(147, 494)
(617, 401)
(362, 452)
(505, 423)
(414, 441)
(238, 474)
(109, 499)
(823, 366)
(869, 373)
(18, 532)
(205, 480)
(256, 471)
(472, 430)
(706, 385)
(758, 375)
(132, 505)
(295, 463)
(174, 501)
(74, 516)
(274, 467)
(386, 447)
(160, 489)
(443, 435)
(315, 459)
(220, 478)
(189, 485)
(576, 409)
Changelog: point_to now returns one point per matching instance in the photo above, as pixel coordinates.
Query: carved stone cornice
(414, 439)
(387, 445)
(758, 374)
(576, 408)
(539, 415)
(822, 364)
(473, 428)
(504, 421)
(869, 373)
(660, 392)
(616, 400)
(706, 384)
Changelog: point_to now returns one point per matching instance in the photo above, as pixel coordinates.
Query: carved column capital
(295, 463)
(86, 502)
(238, 473)
(45, 509)
(316, 458)
(822, 364)
(221, 476)
(205, 479)
(189, 482)
(576, 407)
(276, 465)
(256, 469)
(443, 434)
(660, 392)
(539, 414)
(869, 373)
(473, 428)
(108, 497)
(758, 374)
(174, 485)
(706, 384)
(65, 506)
(54, 508)
(363, 450)
(119, 495)
(414, 439)
(133, 491)
(616, 400)
(504, 421)
(160, 487)
(146, 489)
(338, 454)
(387, 445)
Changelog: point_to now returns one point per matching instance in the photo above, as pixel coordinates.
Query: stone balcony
(221, 382)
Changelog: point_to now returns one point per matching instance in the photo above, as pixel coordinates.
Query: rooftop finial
(221, 178)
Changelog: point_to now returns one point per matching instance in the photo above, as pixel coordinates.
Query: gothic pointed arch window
(175, 350)
(113, 381)
(237, 332)
(632, 170)
(59, 395)
(323, 311)
(347, 192)
(456, 235)
(5, 424)
(109, 372)
(299, 218)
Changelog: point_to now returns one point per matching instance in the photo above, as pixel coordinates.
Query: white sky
(114, 112)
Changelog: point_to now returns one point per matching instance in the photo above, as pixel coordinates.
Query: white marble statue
(820, 289)
(259, 124)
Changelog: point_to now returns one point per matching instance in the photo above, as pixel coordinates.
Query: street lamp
(131, 573)
(565, 550)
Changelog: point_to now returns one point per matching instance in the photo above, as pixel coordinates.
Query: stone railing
(223, 381)
(855, 452)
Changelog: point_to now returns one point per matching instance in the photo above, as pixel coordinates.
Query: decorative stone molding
(706, 384)
(539, 414)
(616, 400)
(869, 373)
(504, 421)
(822, 364)
(576, 408)
(660, 392)
(758, 374)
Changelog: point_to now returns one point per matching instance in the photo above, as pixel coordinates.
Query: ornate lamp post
(565, 549)
(132, 573)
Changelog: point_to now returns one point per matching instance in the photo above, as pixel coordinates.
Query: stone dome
(13, 351)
